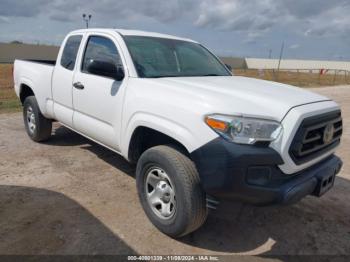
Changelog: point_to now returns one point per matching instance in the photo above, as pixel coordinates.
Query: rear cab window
(70, 52)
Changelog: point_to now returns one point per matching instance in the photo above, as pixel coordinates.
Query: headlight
(244, 130)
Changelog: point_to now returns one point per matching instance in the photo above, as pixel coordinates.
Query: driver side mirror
(120, 74)
(105, 68)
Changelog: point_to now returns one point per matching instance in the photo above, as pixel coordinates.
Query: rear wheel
(170, 192)
(37, 126)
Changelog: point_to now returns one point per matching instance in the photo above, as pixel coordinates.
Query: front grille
(315, 136)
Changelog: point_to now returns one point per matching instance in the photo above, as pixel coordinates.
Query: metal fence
(297, 77)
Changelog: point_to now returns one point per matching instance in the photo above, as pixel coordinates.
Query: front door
(98, 99)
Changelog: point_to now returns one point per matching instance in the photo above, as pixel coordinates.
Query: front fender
(169, 127)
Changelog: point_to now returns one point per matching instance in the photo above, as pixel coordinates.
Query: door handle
(78, 85)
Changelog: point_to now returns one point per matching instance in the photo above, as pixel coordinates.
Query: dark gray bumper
(251, 174)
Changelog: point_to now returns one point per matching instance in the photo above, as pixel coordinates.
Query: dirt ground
(72, 196)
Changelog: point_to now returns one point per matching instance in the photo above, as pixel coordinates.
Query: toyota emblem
(328, 134)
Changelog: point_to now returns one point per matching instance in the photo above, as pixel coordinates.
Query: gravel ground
(72, 196)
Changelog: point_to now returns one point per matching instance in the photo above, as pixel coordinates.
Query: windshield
(161, 57)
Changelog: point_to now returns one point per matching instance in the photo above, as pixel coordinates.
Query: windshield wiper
(211, 75)
(163, 76)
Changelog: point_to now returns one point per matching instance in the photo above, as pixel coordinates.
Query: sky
(310, 29)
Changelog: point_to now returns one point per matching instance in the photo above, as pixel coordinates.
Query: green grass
(9, 102)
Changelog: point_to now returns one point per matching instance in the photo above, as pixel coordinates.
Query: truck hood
(240, 95)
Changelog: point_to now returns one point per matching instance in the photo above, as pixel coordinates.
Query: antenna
(279, 61)
(87, 19)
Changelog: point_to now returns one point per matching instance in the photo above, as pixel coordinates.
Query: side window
(70, 51)
(100, 49)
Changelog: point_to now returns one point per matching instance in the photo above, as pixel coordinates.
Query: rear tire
(176, 187)
(37, 126)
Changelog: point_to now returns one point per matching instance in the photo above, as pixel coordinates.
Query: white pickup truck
(197, 133)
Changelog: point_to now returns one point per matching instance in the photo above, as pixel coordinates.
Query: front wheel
(37, 126)
(170, 192)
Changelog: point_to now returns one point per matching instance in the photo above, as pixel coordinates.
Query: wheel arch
(25, 90)
(144, 137)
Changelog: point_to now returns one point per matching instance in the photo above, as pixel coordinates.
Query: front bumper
(251, 174)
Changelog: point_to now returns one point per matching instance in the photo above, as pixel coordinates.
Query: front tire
(169, 190)
(37, 126)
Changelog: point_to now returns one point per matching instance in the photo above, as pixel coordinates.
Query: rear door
(62, 80)
(98, 99)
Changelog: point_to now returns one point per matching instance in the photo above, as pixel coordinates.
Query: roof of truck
(131, 32)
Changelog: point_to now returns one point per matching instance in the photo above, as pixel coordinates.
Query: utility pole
(279, 61)
(270, 53)
(87, 19)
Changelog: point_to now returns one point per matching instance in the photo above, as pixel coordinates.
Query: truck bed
(47, 62)
(36, 74)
